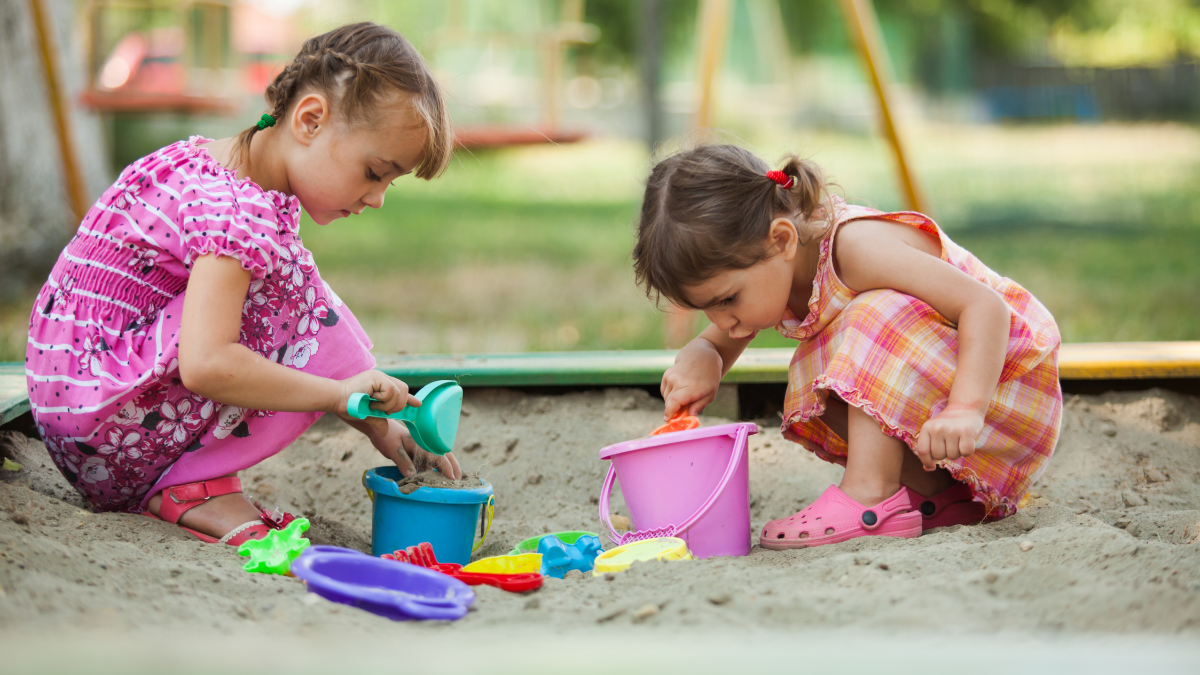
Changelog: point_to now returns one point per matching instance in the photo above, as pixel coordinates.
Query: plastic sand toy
(620, 558)
(525, 563)
(563, 551)
(394, 590)
(422, 554)
(569, 538)
(680, 422)
(433, 424)
(274, 553)
(692, 484)
(558, 557)
(444, 517)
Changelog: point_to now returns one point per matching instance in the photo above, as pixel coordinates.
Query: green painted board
(636, 368)
(570, 368)
(14, 393)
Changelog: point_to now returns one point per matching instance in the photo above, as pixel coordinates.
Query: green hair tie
(264, 122)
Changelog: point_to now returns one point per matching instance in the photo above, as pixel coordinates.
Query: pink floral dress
(102, 356)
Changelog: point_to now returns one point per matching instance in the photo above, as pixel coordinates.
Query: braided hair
(358, 67)
(710, 208)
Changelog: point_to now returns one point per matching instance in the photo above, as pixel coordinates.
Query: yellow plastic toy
(620, 558)
(526, 563)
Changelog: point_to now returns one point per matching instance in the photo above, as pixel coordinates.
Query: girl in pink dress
(185, 334)
(931, 378)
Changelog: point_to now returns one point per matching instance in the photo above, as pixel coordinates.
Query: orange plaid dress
(894, 357)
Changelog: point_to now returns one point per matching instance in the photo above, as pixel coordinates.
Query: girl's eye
(730, 300)
(372, 176)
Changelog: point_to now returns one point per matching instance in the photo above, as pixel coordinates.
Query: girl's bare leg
(877, 464)
(873, 461)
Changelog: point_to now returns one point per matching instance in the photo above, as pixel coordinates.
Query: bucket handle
(485, 521)
(739, 447)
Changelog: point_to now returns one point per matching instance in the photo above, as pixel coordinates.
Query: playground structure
(550, 40)
(160, 56)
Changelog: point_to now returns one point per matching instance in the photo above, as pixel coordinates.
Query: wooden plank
(1081, 361)
(14, 393)
(1128, 360)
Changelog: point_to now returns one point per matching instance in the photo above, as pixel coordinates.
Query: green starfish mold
(274, 553)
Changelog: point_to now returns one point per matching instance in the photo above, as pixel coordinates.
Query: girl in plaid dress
(929, 377)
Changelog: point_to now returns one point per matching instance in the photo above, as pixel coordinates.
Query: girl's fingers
(673, 404)
(937, 447)
(922, 451)
(698, 407)
(448, 465)
(966, 446)
(952, 447)
(405, 464)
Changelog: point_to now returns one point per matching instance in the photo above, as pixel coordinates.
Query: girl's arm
(213, 364)
(692, 382)
(874, 254)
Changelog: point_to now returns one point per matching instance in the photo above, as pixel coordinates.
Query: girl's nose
(374, 198)
(722, 320)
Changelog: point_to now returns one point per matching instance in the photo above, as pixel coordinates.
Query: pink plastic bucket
(693, 484)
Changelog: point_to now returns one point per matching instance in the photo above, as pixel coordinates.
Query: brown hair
(710, 209)
(357, 66)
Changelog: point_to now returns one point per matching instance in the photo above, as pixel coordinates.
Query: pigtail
(808, 198)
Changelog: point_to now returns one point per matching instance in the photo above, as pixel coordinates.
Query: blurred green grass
(528, 249)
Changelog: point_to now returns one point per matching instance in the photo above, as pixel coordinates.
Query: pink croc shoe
(836, 517)
(955, 505)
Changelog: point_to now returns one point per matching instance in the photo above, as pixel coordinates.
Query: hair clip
(785, 181)
(264, 122)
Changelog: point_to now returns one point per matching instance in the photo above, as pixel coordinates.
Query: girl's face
(336, 169)
(742, 302)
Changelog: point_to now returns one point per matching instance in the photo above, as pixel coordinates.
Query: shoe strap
(238, 530)
(178, 499)
(884, 510)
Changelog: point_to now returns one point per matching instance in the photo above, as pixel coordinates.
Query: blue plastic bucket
(443, 517)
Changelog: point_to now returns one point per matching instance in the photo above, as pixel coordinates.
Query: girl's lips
(345, 213)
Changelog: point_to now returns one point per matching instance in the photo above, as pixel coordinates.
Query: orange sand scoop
(680, 422)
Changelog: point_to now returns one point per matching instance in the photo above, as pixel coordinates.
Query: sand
(1108, 543)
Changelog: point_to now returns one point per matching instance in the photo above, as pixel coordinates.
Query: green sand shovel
(433, 425)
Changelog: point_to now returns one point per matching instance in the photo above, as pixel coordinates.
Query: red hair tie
(785, 181)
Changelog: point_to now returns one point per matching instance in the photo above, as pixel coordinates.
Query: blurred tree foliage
(999, 29)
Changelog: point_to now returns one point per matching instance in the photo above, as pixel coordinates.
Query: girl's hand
(949, 435)
(691, 384)
(398, 446)
(392, 396)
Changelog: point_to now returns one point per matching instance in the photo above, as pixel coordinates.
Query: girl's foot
(214, 510)
(836, 517)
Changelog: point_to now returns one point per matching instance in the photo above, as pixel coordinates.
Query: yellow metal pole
(714, 25)
(864, 25)
(74, 186)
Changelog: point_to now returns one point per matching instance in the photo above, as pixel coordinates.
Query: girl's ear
(784, 237)
(309, 117)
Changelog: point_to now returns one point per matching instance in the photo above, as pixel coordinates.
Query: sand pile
(1110, 538)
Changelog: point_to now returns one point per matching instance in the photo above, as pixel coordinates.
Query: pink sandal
(179, 498)
(955, 505)
(836, 517)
